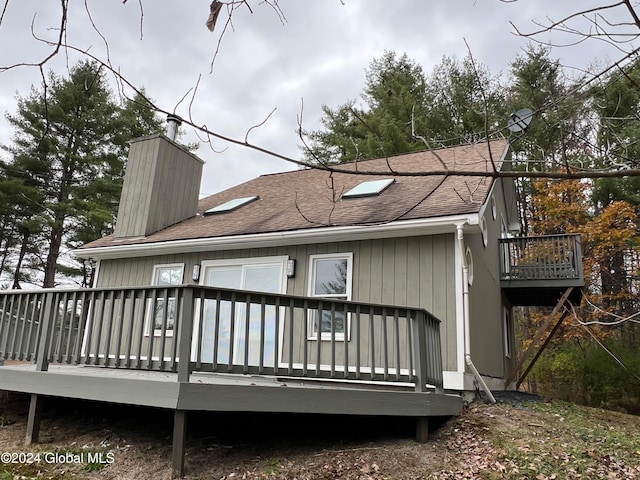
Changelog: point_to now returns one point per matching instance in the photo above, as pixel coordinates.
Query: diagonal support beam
(537, 337)
(541, 349)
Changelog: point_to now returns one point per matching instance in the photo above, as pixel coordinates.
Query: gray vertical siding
(138, 182)
(485, 295)
(160, 187)
(417, 271)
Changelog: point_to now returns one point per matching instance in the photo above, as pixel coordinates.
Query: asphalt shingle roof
(305, 199)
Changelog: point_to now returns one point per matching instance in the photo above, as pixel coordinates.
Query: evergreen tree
(69, 148)
(618, 104)
(464, 103)
(553, 138)
(458, 102)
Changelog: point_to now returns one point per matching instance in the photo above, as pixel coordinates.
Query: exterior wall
(414, 271)
(486, 301)
(160, 187)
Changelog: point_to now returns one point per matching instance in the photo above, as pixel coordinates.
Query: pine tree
(458, 102)
(70, 148)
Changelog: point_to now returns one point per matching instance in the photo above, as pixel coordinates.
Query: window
(231, 205)
(330, 276)
(508, 331)
(484, 230)
(170, 274)
(368, 189)
(260, 274)
(469, 260)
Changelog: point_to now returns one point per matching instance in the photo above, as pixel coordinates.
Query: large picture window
(164, 275)
(330, 277)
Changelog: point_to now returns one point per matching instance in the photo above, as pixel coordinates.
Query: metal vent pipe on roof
(173, 122)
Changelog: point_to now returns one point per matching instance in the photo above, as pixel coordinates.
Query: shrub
(585, 373)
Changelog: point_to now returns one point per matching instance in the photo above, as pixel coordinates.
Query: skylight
(368, 189)
(231, 205)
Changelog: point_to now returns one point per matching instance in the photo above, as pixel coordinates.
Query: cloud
(318, 56)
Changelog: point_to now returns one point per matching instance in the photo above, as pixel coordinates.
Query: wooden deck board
(224, 392)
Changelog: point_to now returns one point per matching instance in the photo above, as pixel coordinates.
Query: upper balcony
(535, 271)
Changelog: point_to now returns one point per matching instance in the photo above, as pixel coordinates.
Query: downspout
(465, 315)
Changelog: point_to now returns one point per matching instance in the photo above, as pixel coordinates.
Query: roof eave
(405, 228)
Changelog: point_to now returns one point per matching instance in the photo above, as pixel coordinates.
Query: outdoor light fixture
(291, 268)
(195, 273)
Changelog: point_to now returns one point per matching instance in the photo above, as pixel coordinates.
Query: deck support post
(422, 429)
(33, 420)
(541, 349)
(179, 442)
(540, 333)
(42, 365)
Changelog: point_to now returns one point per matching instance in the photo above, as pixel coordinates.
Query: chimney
(161, 184)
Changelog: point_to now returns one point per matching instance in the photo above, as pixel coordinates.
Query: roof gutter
(407, 228)
(466, 315)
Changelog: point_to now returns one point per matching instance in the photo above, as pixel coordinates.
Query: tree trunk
(8, 244)
(51, 265)
(23, 252)
(88, 274)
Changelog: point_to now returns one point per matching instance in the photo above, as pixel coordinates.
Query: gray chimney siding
(160, 188)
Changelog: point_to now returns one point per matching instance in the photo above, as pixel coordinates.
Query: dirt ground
(517, 439)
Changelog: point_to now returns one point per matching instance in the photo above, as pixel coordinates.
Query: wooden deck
(192, 348)
(226, 392)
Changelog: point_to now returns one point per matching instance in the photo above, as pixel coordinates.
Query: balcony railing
(549, 257)
(221, 330)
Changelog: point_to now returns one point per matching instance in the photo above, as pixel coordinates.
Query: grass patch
(561, 440)
(6, 421)
(271, 466)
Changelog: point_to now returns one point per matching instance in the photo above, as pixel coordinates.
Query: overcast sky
(318, 54)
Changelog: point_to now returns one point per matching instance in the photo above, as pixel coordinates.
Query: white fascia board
(405, 228)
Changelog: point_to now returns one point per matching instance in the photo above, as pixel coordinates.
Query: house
(382, 287)
(395, 244)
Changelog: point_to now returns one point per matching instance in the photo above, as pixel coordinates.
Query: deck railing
(221, 330)
(549, 257)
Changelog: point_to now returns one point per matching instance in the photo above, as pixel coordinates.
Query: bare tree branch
(4, 11)
(424, 140)
(569, 171)
(266, 119)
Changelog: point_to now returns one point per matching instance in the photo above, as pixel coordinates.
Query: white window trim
(494, 208)
(484, 230)
(150, 320)
(244, 261)
(96, 273)
(310, 289)
(507, 326)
